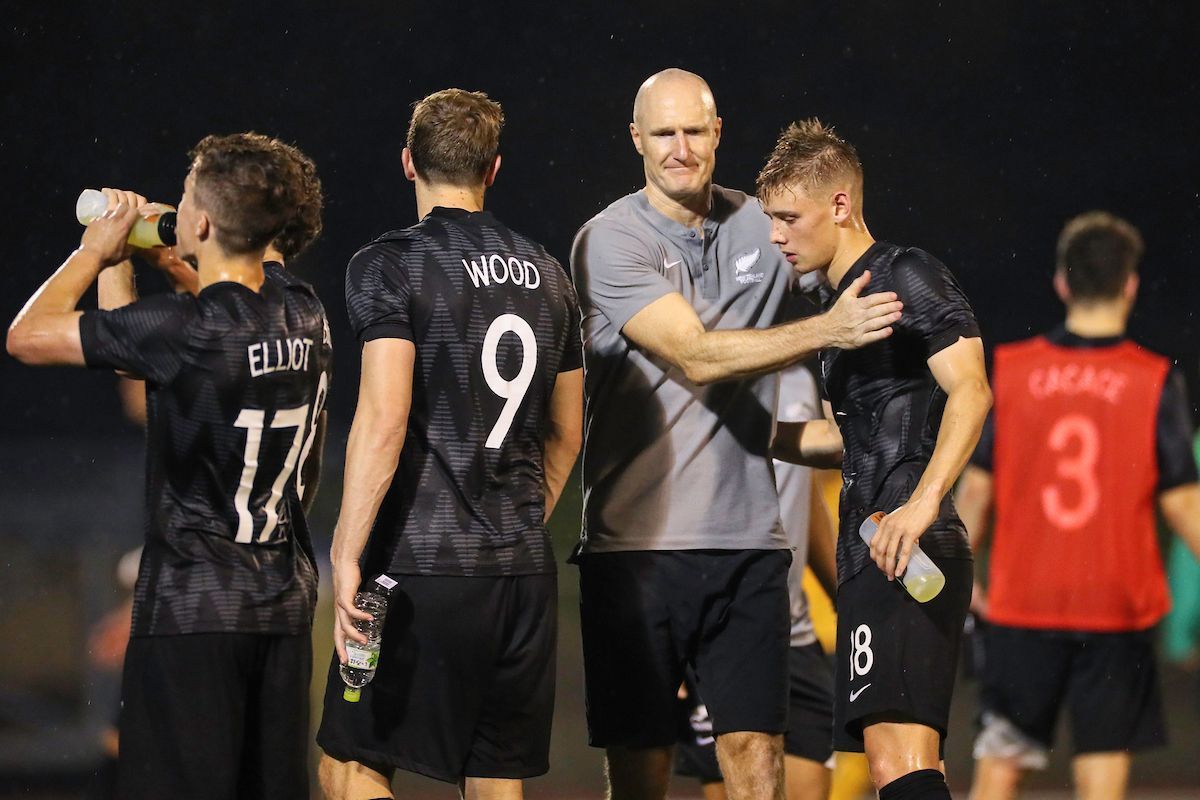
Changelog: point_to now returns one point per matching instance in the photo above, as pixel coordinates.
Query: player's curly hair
(454, 136)
(809, 155)
(1097, 251)
(250, 185)
(302, 229)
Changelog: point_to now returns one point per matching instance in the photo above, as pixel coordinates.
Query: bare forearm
(822, 542)
(560, 455)
(115, 286)
(814, 443)
(1181, 508)
(973, 500)
(46, 330)
(723, 355)
(962, 422)
(371, 460)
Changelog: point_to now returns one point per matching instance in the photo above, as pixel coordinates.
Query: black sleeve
(935, 308)
(377, 294)
(147, 338)
(573, 351)
(983, 455)
(1176, 462)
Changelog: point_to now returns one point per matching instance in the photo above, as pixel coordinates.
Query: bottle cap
(166, 228)
(351, 695)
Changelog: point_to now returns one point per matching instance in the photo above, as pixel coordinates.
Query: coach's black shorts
(1108, 681)
(645, 614)
(465, 684)
(810, 718)
(897, 658)
(215, 715)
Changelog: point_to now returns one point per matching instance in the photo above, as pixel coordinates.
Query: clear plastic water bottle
(922, 578)
(155, 228)
(362, 659)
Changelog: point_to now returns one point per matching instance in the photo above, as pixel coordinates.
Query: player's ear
(842, 206)
(410, 171)
(637, 138)
(1130, 289)
(716, 133)
(1061, 288)
(489, 177)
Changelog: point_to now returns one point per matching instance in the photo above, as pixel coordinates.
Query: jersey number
(254, 421)
(1077, 441)
(513, 392)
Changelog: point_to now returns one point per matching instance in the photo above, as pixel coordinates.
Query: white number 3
(512, 391)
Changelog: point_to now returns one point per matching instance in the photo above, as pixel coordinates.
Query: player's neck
(852, 243)
(1097, 320)
(689, 212)
(431, 195)
(244, 269)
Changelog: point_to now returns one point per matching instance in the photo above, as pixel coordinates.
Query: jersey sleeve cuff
(87, 339)
(385, 330)
(941, 341)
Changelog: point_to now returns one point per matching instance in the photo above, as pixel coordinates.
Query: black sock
(924, 784)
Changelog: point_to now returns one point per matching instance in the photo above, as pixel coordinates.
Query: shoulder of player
(617, 229)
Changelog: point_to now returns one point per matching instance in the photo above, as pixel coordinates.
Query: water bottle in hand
(362, 659)
(921, 578)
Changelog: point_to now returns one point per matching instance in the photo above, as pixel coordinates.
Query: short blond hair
(810, 155)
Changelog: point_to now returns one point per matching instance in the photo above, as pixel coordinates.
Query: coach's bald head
(668, 83)
(676, 130)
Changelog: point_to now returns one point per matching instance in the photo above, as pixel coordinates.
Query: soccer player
(808, 743)
(683, 559)
(468, 423)
(215, 687)
(910, 410)
(1089, 429)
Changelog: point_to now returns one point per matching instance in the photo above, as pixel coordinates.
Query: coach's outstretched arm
(670, 329)
(372, 453)
(959, 370)
(564, 434)
(46, 331)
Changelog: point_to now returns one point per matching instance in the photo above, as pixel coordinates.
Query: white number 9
(512, 391)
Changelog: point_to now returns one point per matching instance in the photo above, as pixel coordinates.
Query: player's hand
(892, 544)
(164, 259)
(979, 601)
(107, 235)
(858, 321)
(346, 579)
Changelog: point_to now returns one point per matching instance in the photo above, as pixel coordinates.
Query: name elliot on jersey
(278, 356)
(495, 268)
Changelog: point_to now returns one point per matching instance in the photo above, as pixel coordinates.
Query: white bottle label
(386, 582)
(361, 657)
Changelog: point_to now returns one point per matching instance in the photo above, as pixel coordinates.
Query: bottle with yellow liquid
(922, 578)
(156, 227)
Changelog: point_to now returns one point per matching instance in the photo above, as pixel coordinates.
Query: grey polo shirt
(669, 465)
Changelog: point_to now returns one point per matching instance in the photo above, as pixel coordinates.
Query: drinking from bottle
(155, 228)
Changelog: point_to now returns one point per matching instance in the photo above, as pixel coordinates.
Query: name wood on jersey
(278, 356)
(1075, 379)
(495, 268)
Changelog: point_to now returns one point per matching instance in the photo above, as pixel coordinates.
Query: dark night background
(982, 127)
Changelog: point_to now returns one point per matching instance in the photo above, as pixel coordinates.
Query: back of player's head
(454, 136)
(302, 229)
(250, 186)
(1097, 252)
(810, 156)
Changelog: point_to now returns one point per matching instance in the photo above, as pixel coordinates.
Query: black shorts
(896, 658)
(645, 614)
(465, 684)
(1108, 681)
(215, 715)
(810, 718)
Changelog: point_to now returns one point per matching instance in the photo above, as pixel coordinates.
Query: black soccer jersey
(235, 381)
(887, 403)
(494, 320)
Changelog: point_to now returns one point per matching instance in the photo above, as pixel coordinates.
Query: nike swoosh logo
(669, 264)
(854, 695)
